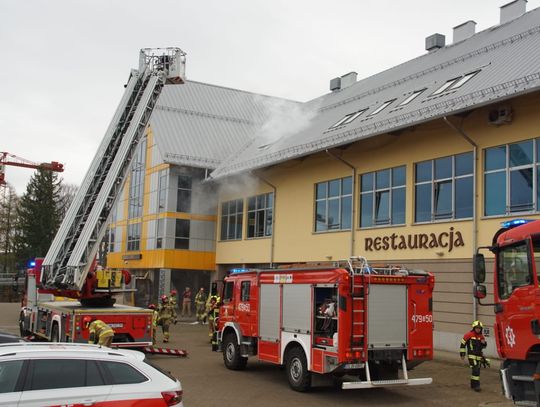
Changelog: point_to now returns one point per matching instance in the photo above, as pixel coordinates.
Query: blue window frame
(382, 197)
(444, 188)
(333, 205)
(511, 177)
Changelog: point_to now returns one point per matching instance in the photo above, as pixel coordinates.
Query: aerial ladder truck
(69, 269)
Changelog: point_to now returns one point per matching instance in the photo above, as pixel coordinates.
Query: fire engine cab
(349, 321)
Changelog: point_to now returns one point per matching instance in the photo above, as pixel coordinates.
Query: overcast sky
(64, 62)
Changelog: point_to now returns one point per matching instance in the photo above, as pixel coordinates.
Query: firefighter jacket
(155, 316)
(166, 314)
(98, 329)
(200, 298)
(212, 309)
(472, 344)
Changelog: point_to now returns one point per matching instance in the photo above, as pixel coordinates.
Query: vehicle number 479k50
(422, 318)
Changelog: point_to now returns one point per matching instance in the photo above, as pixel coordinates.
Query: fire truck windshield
(513, 269)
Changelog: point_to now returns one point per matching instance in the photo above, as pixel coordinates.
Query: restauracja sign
(445, 240)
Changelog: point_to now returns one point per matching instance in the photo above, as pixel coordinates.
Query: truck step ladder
(405, 381)
(76, 243)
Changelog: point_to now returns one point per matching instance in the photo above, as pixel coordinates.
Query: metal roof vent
(335, 84)
(513, 10)
(464, 31)
(348, 79)
(434, 42)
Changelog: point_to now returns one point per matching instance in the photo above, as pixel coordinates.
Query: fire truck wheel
(55, 335)
(231, 354)
(297, 370)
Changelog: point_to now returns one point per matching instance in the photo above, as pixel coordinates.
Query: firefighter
(212, 311)
(173, 302)
(99, 332)
(165, 317)
(186, 302)
(200, 305)
(472, 345)
(155, 317)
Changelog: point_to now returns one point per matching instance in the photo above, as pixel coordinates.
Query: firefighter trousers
(474, 363)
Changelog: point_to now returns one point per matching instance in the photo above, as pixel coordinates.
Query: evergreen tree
(38, 216)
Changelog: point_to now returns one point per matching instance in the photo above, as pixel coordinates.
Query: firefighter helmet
(151, 306)
(477, 324)
(174, 292)
(86, 321)
(164, 298)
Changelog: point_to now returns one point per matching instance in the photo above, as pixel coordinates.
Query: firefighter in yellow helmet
(165, 316)
(472, 345)
(212, 312)
(155, 317)
(99, 332)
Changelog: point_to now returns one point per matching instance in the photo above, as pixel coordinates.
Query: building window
(348, 119)
(183, 194)
(231, 219)
(511, 176)
(110, 232)
(160, 232)
(381, 107)
(454, 83)
(136, 188)
(181, 235)
(260, 209)
(162, 191)
(382, 197)
(444, 188)
(412, 96)
(134, 237)
(333, 204)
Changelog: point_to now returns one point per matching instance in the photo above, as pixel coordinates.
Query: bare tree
(8, 227)
(67, 193)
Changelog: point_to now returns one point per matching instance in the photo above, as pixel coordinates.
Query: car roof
(72, 350)
(6, 337)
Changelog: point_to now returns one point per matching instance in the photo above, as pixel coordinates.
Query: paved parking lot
(208, 383)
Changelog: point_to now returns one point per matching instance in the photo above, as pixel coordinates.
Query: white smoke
(284, 118)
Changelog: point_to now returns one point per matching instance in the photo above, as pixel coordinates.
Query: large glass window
(162, 190)
(444, 188)
(333, 204)
(511, 177)
(181, 236)
(260, 210)
(160, 233)
(382, 197)
(136, 187)
(62, 373)
(513, 270)
(231, 219)
(183, 195)
(134, 237)
(122, 373)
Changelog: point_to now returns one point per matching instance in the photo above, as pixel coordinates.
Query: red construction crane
(11, 159)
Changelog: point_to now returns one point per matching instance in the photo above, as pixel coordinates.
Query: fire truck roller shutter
(297, 308)
(387, 316)
(269, 312)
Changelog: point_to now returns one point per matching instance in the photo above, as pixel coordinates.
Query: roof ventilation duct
(348, 79)
(335, 84)
(513, 10)
(464, 31)
(434, 42)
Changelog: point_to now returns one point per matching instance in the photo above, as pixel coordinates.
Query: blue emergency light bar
(32, 263)
(509, 224)
(239, 270)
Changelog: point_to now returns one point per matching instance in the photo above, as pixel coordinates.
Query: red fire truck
(516, 293)
(359, 323)
(46, 317)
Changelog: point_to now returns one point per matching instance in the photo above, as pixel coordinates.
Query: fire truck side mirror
(480, 292)
(479, 268)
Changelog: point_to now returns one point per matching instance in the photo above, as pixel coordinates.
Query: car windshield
(514, 269)
(168, 374)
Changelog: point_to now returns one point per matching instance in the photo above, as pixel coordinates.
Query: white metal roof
(507, 57)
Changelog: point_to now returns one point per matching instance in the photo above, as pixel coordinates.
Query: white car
(66, 374)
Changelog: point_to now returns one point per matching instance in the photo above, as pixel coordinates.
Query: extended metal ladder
(358, 267)
(75, 245)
